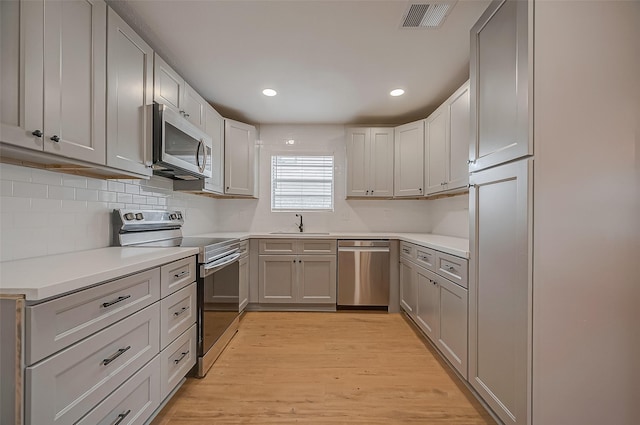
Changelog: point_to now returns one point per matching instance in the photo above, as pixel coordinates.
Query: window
(301, 182)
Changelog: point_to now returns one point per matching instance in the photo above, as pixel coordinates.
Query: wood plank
(325, 368)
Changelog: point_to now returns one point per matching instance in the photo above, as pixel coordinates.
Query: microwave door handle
(201, 165)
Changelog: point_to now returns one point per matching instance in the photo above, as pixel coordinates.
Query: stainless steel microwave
(181, 150)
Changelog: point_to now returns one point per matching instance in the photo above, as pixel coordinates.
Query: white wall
(352, 215)
(43, 212)
(450, 216)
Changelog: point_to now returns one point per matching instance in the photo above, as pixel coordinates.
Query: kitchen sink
(299, 233)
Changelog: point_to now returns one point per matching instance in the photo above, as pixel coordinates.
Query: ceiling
(330, 61)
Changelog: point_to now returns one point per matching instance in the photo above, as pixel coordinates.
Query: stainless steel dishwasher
(363, 273)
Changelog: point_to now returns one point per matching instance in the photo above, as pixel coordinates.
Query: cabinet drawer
(453, 268)
(177, 314)
(407, 250)
(176, 360)
(177, 275)
(426, 258)
(56, 324)
(277, 246)
(64, 387)
(243, 249)
(133, 402)
(317, 246)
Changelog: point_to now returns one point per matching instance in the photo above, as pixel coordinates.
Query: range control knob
(129, 216)
(180, 216)
(172, 216)
(139, 216)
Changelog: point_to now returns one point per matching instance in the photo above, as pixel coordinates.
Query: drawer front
(176, 360)
(407, 251)
(177, 314)
(277, 246)
(243, 248)
(131, 404)
(317, 246)
(426, 258)
(177, 275)
(67, 385)
(453, 268)
(56, 324)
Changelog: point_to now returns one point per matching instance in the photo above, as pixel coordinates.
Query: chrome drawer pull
(406, 250)
(451, 268)
(116, 355)
(179, 275)
(182, 310)
(116, 301)
(121, 417)
(176, 361)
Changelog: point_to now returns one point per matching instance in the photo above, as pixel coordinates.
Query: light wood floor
(325, 368)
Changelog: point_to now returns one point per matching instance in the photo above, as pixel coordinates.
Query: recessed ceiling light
(290, 142)
(397, 92)
(269, 92)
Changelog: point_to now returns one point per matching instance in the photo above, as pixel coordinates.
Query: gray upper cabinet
(370, 162)
(239, 159)
(194, 107)
(168, 85)
(409, 159)
(214, 127)
(500, 288)
(129, 92)
(501, 92)
(53, 91)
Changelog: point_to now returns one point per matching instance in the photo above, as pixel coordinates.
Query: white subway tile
(134, 189)
(30, 220)
(126, 198)
(134, 206)
(107, 196)
(74, 206)
(46, 205)
(97, 207)
(115, 186)
(116, 205)
(14, 204)
(137, 199)
(61, 192)
(60, 239)
(29, 190)
(152, 200)
(46, 177)
(87, 195)
(6, 220)
(97, 184)
(6, 188)
(162, 201)
(15, 173)
(61, 219)
(74, 181)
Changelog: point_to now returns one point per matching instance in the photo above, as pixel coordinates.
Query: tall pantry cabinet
(553, 236)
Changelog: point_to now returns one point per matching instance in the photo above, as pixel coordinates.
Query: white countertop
(40, 278)
(53, 275)
(448, 244)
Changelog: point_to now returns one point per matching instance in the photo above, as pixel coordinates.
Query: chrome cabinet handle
(184, 354)
(182, 310)
(37, 133)
(186, 115)
(117, 354)
(55, 138)
(116, 301)
(451, 268)
(420, 190)
(179, 275)
(121, 417)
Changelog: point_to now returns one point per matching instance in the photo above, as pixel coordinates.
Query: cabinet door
(317, 279)
(500, 86)
(407, 289)
(459, 138)
(168, 85)
(277, 278)
(358, 157)
(214, 127)
(21, 71)
(239, 149)
(436, 150)
(75, 52)
(428, 303)
(243, 278)
(452, 324)
(381, 162)
(194, 107)
(409, 159)
(129, 92)
(500, 288)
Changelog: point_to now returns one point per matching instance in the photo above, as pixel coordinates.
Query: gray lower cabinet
(435, 303)
(243, 276)
(297, 271)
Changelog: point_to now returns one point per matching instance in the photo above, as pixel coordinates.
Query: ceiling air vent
(426, 15)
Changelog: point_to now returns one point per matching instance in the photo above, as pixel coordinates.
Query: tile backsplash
(44, 212)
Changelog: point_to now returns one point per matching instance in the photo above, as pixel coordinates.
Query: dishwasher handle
(363, 243)
(363, 249)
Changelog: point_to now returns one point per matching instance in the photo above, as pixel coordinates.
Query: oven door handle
(215, 266)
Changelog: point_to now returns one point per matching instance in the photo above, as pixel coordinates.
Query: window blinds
(301, 182)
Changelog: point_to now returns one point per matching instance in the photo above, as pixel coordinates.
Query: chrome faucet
(300, 226)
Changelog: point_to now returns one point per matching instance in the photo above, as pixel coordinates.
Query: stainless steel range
(218, 273)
